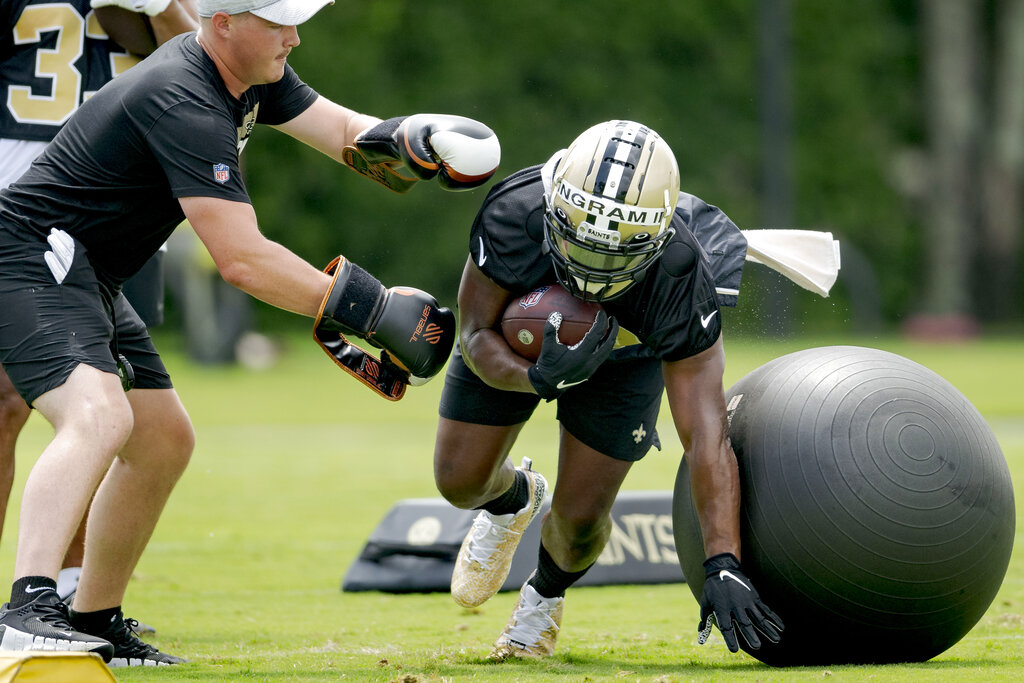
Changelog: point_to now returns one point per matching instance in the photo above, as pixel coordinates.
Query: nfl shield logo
(221, 173)
(533, 298)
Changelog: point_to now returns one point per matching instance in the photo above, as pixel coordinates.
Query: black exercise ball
(877, 512)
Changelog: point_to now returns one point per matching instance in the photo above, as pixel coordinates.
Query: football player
(156, 145)
(54, 55)
(606, 218)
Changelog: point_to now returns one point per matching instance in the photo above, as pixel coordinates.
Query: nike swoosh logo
(725, 573)
(483, 257)
(562, 384)
(30, 589)
(704, 320)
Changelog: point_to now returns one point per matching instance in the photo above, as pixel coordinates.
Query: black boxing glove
(415, 333)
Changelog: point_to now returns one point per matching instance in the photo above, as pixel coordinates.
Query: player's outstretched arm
(180, 16)
(140, 26)
(697, 400)
(328, 127)
(416, 333)
(150, 8)
(696, 397)
(461, 153)
(246, 259)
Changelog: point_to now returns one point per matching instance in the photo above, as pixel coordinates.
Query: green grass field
(296, 465)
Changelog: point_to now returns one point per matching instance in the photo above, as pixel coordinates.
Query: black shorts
(615, 412)
(47, 329)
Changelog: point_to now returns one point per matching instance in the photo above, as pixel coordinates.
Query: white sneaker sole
(120, 662)
(15, 640)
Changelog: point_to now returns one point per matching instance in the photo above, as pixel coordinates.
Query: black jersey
(53, 56)
(673, 311)
(168, 128)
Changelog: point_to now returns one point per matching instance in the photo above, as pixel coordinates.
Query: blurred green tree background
(853, 133)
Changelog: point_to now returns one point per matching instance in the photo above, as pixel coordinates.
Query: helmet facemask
(594, 269)
(608, 211)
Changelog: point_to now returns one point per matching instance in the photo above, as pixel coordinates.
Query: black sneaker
(129, 650)
(143, 629)
(44, 624)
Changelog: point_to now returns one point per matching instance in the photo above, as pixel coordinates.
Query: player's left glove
(461, 152)
(559, 367)
(415, 333)
(730, 601)
(148, 7)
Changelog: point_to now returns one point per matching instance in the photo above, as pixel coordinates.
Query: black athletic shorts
(47, 329)
(615, 412)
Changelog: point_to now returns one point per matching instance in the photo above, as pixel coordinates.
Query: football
(522, 324)
(130, 30)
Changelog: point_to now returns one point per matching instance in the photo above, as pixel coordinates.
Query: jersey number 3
(57, 64)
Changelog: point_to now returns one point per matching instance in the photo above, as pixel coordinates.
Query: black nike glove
(559, 366)
(730, 599)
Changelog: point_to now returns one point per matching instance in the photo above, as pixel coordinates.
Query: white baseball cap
(283, 12)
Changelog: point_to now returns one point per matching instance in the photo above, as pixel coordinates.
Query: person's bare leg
(471, 464)
(92, 421)
(579, 523)
(573, 533)
(131, 497)
(472, 470)
(71, 569)
(76, 551)
(14, 413)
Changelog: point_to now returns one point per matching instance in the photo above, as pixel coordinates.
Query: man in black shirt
(606, 219)
(156, 145)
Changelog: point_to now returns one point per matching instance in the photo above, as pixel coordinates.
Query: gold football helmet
(609, 207)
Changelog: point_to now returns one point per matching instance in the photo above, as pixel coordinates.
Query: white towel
(807, 257)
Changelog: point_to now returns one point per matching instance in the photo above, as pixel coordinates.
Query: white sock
(67, 581)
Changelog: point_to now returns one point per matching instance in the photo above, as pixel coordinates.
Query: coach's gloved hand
(559, 367)
(463, 153)
(416, 334)
(149, 7)
(730, 601)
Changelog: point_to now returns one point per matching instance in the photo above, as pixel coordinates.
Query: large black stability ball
(877, 512)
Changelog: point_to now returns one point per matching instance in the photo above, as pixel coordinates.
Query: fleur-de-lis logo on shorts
(639, 433)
